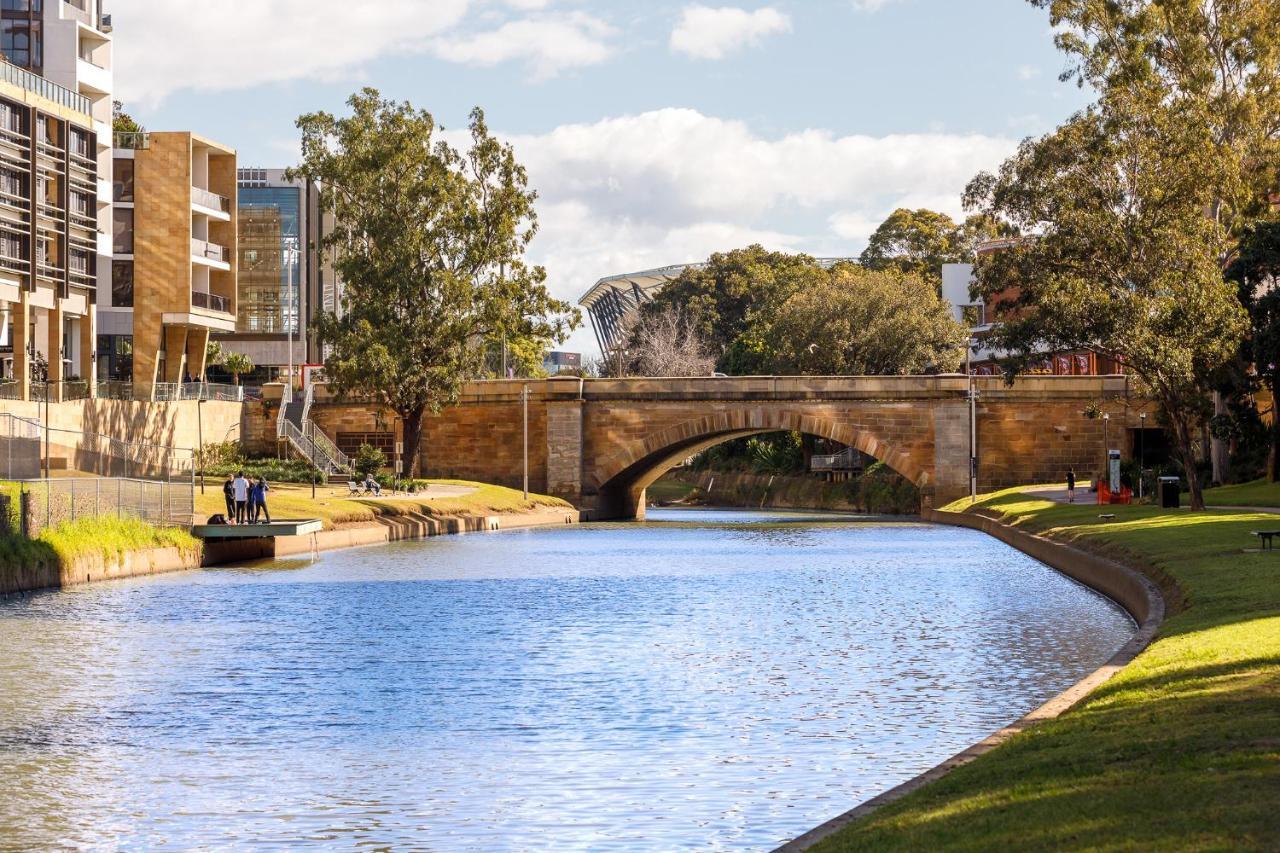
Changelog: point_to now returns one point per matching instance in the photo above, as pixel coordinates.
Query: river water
(707, 680)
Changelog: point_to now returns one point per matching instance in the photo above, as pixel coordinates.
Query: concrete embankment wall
(51, 573)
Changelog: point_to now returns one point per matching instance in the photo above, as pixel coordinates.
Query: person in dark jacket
(1071, 485)
(229, 495)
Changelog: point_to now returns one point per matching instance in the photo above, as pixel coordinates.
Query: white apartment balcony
(104, 132)
(105, 192)
(210, 254)
(106, 245)
(208, 311)
(211, 204)
(77, 10)
(94, 81)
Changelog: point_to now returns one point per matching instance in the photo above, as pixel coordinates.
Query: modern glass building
(286, 280)
(271, 242)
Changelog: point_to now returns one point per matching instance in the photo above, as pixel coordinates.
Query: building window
(974, 315)
(21, 39)
(270, 242)
(11, 183)
(122, 231)
(11, 246)
(349, 442)
(115, 357)
(122, 284)
(122, 180)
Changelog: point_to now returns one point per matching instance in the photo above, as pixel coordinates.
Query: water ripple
(707, 681)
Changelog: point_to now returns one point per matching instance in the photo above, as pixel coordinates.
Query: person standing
(241, 488)
(229, 495)
(258, 497)
(1071, 485)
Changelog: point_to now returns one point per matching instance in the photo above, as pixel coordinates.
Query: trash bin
(1170, 493)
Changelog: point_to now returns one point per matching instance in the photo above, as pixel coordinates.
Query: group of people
(246, 499)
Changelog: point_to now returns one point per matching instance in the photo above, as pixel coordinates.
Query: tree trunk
(1186, 449)
(806, 449)
(413, 442)
(1273, 459)
(1218, 454)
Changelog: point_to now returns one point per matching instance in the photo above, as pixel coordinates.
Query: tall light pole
(524, 402)
(973, 421)
(1106, 448)
(1142, 451)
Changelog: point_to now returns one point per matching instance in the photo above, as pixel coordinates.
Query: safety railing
(178, 391)
(45, 504)
(210, 301)
(211, 200)
(208, 251)
(846, 460)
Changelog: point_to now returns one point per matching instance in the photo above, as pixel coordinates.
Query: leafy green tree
(429, 241)
(237, 363)
(214, 355)
(917, 242)
(1216, 61)
(723, 298)
(861, 322)
(1256, 272)
(1124, 262)
(122, 122)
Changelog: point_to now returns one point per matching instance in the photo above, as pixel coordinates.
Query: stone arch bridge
(600, 442)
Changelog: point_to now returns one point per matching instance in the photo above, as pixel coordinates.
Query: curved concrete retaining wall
(1128, 588)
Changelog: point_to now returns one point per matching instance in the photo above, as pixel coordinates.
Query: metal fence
(45, 504)
(27, 449)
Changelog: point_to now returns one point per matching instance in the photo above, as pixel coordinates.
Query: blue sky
(656, 133)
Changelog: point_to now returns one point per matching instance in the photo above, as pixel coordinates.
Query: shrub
(369, 460)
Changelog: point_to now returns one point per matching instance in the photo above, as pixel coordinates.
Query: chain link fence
(45, 504)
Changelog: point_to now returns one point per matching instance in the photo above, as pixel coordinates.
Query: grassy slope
(1256, 493)
(334, 507)
(1180, 750)
(109, 536)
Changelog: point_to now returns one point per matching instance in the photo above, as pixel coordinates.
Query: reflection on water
(707, 680)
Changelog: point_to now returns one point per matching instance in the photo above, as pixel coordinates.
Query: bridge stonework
(600, 442)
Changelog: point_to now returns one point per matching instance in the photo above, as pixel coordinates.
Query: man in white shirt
(240, 486)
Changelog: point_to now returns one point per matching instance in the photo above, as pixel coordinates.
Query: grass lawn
(665, 490)
(1255, 493)
(1181, 750)
(108, 536)
(334, 506)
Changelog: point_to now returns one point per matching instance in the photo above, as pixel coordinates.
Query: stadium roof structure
(613, 300)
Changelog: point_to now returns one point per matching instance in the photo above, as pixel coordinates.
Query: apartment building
(68, 43)
(48, 234)
(173, 274)
(285, 279)
(979, 316)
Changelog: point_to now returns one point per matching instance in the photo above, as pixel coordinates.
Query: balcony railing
(209, 251)
(38, 85)
(213, 201)
(139, 141)
(210, 301)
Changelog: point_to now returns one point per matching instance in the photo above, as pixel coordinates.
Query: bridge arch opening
(620, 482)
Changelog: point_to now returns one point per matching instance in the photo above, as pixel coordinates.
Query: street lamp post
(1106, 448)
(524, 402)
(1142, 452)
(973, 421)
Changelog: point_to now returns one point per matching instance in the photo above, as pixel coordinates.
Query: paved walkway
(1058, 492)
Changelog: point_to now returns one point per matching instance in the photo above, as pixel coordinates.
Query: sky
(655, 133)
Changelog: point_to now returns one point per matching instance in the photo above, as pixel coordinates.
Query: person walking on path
(258, 500)
(229, 495)
(241, 488)
(1071, 485)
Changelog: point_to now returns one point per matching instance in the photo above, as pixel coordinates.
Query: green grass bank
(1180, 750)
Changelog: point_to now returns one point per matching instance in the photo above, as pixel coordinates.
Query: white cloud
(672, 186)
(166, 45)
(871, 5)
(707, 33)
(549, 44)
(1028, 72)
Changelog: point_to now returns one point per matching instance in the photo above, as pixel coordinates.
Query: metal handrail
(131, 140)
(339, 459)
(210, 301)
(209, 251)
(47, 89)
